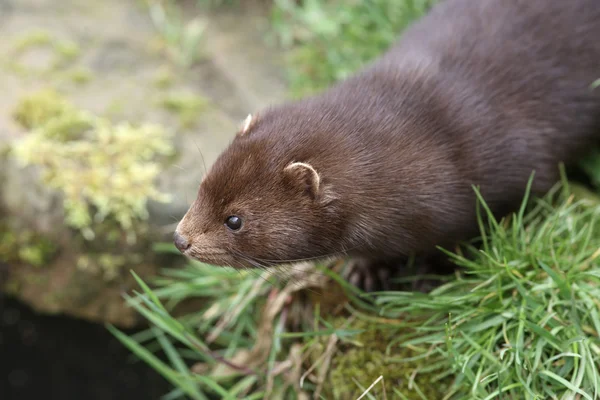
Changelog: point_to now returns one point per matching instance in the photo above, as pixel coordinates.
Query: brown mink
(383, 164)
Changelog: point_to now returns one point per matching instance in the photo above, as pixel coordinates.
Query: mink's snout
(180, 242)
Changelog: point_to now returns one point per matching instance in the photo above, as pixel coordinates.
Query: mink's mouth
(217, 259)
(222, 258)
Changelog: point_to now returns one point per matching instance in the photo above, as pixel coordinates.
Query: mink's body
(475, 93)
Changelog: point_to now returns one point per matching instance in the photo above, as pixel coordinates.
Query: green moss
(53, 301)
(163, 79)
(64, 52)
(37, 254)
(186, 106)
(115, 107)
(11, 287)
(32, 40)
(81, 76)
(105, 172)
(15, 68)
(4, 152)
(25, 247)
(39, 108)
(107, 264)
(363, 359)
(47, 109)
(67, 127)
(35, 279)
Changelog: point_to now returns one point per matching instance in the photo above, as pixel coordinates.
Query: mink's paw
(367, 275)
(397, 274)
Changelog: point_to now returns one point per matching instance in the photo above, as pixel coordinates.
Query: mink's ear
(247, 125)
(304, 176)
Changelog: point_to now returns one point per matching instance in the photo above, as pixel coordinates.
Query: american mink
(383, 164)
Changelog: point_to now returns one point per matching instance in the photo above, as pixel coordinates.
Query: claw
(367, 275)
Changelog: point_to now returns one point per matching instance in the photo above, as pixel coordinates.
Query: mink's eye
(233, 222)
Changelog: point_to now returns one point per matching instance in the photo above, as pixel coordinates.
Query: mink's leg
(369, 275)
(375, 275)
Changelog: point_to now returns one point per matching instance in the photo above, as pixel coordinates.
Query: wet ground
(50, 357)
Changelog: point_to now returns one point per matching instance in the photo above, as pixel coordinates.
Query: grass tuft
(521, 319)
(180, 39)
(330, 40)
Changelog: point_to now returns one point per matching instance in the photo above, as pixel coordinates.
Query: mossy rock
(48, 187)
(186, 106)
(103, 171)
(76, 188)
(26, 247)
(63, 53)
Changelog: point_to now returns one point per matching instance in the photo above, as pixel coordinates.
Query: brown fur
(475, 93)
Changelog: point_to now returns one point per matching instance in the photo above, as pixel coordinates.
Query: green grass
(187, 107)
(222, 291)
(522, 318)
(329, 40)
(181, 40)
(324, 40)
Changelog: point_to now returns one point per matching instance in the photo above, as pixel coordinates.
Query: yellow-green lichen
(25, 247)
(116, 107)
(11, 286)
(31, 40)
(104, 171)
(186, 106)
(81, 76)
(4, 152)
(107, 264)
(363, 359)
(35, 279)
(41, 107)
(64, 52)
(163, 78)
(13, 67)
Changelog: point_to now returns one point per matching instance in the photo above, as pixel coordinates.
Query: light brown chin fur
(218, 260)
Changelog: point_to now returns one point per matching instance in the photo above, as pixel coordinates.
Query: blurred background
(110, 112)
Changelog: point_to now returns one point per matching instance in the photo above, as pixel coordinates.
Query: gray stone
(239, 74)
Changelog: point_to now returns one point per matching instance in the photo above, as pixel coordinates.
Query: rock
(102, 57)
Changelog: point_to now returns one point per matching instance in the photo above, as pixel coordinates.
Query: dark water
(48, 357)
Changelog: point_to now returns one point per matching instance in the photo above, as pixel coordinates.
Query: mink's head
(262, 203)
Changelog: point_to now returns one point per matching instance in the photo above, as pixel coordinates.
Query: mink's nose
(180, 242)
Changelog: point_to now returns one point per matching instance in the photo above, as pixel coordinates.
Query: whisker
(255, 265)
(201, 155)
(289, 274)
(297, 281)
(175, 219)
(286, 276)
(170, 228)
(341, 253)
